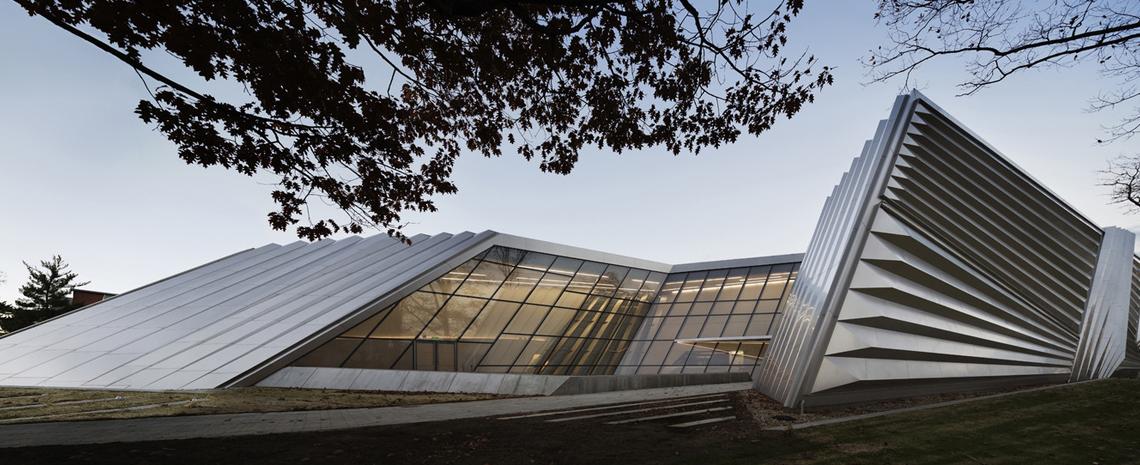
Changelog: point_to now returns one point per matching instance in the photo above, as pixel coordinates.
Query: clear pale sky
(81, 176)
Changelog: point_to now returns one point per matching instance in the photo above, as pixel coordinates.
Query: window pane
(713, 326)
(563, 354)
(484, 280)
(535, 351)
(620, 306)
(410, 316)
(504, 256)
(548, 289)
(692, 285)
(518, 285)
(596, 303)
(736, 325)
(571, 300)
(329, 354)
(670, 327)
(680, 309)
(677, 355)
(425, 356)
(691, 327)
(670, 289)
(712, 284)
(635, 352)
(610, 279)
(582, 323)
(767, 306)
(469, 355)
(776, 282)
(632, 283)
(365, 328)
(377, 354)
(648, 328)
(606, 325)
(733, 283)
(759, 325)
(699, 357)
(453, 318)
(701, 308)
(491, 321)
(445, 356)
(556, 321)
(659, 310)
(451, 280)
(657, 352)
(754, 284)
(651, 286)
(722, 308)
(536, 261)
(405, 361)
(505, 350)
(744, 307)
(723, 354)
(587, 275)
(527, 319)
(566, 266)
(591, 352)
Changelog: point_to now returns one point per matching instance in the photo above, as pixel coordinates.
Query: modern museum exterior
(937, 265)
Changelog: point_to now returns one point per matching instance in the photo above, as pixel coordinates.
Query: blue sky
(83, 177)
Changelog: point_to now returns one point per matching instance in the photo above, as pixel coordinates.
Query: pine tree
(46, 294)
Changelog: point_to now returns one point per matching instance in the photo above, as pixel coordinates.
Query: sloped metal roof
(201, 328)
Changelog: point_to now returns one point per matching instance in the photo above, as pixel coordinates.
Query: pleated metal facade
(939, 265)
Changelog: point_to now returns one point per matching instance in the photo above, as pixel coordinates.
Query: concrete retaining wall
(481, 383)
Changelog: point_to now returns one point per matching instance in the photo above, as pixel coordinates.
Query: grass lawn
(1092, 423)
(39, 405)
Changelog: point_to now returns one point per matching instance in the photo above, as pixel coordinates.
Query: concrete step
(627, 412)
(613, 406)
(706, 421)
(669, 415)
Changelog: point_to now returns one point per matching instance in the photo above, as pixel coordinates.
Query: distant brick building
(81, 297)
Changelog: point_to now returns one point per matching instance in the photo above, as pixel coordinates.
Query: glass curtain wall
(505, 311)
(725, 303)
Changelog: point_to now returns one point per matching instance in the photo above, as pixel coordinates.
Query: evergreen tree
(46, 294)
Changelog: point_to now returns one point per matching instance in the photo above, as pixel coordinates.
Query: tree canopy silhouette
(1002, 38)
(540, 78)
(47, 294)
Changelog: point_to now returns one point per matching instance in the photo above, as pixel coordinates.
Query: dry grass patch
(21, 405)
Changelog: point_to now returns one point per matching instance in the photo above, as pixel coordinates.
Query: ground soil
(1092, 423)
(19, 405)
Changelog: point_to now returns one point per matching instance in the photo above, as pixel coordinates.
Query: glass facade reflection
(505, 311)
(709, 321)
